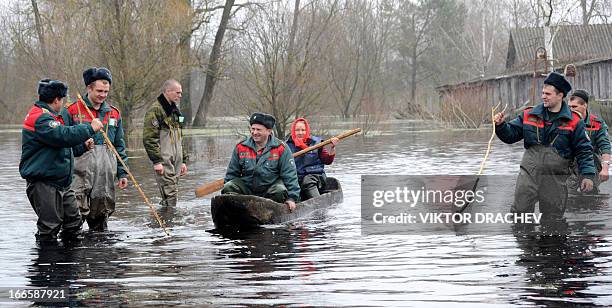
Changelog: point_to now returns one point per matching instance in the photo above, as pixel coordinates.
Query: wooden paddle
(210, 188)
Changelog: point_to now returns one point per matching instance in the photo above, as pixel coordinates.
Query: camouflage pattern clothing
(162, 137)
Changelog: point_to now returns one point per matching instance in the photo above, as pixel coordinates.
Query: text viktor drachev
(415, 206)
(458, 218)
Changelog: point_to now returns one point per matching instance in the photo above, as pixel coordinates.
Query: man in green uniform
(47, 160)
(553, 137)
(597, 130)
(163, 140)
(263, 165)
(96, 171)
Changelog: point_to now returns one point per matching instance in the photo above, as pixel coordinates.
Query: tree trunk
(41, 36)
(585, 17)
(548, 46)
(288, 72)
(212, 72)
(186, 108)
(185, 49)
(413, 75)
(127, 121)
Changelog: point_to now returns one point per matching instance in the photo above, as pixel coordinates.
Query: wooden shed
(589, 48)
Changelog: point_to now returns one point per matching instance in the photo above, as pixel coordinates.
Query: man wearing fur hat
(162, 136)
(263, 165)
(96, 171)
(553, 137)
(597, 130)
(46, 162)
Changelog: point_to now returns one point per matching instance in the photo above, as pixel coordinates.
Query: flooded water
(321, 260)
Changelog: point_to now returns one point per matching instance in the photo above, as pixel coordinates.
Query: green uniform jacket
(113, 126)
(156, 120)
(261, 170)
(564, 131)
(46, 153)
(598, 132)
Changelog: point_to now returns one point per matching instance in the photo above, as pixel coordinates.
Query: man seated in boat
(597, 130)
(310, 166)
(263, 165)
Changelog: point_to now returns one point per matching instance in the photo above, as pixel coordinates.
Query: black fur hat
(558, 81)
(49, 89)
(582, 94)
(264, 119)
(94, 73)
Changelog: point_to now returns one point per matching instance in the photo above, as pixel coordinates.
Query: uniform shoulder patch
(154, 122)
(54, 124)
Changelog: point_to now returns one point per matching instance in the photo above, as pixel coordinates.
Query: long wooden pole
(112, 148)
(210, 188)
(484, 160)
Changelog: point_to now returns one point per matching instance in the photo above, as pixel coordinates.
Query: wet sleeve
(583, 151)
(119, 144)
(233, 169)
(602, 140)
(52, 133)
(510, 132)
(150, 136)
(325, 157)
(80, 148)
(289, 174)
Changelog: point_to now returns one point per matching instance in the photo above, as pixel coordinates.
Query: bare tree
(415, 37)
(481, 45)
(137, 40)
(422, 56)
(213, 70)
(281, 51)
(360, 37)
(41, 35)
(594, 9)
(6, 89)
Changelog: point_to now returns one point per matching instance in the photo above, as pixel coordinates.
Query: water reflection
(558, 263)
(265, 257)
(54, 266)
(323, 260)
(79, 266)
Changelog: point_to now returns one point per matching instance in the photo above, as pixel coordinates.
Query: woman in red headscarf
(310, 166)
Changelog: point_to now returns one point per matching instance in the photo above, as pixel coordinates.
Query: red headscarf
(300, 143)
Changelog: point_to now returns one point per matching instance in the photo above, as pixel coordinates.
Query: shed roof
(572, 43)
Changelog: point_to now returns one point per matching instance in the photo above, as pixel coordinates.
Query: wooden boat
(244, 211)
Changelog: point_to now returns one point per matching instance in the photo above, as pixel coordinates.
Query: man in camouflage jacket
(163, 140)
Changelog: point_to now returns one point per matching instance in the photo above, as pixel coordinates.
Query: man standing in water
(47, 160)
(162, 135)
(96, 171)
(597, 130)
(553, 137)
